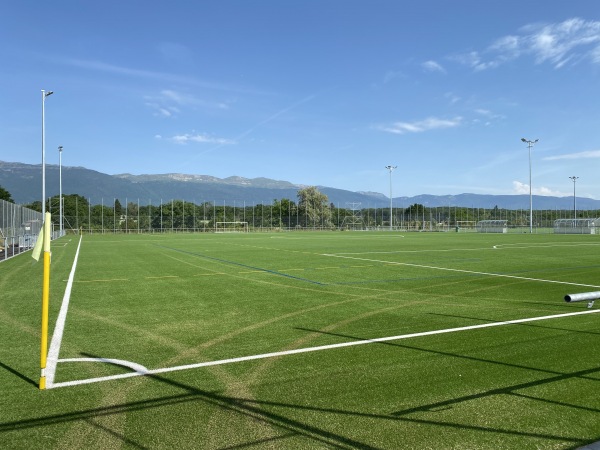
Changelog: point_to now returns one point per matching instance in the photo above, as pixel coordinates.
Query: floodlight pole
(60, 197)
(44, 95)
(529, 145)
(574, 178)
(391, 169)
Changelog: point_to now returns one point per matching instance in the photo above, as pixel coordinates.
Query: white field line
(141, 372)
(118, 362)
(472, 272)
(52, 359)
(475, 249)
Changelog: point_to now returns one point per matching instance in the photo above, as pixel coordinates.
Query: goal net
(231, 227)
(466, 224)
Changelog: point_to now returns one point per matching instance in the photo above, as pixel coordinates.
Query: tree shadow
(555, 376)
(288, 425)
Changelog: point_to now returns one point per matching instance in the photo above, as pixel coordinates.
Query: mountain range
(23, 181)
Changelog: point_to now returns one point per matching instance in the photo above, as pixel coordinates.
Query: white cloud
(431, 123)
(432, 66)
(591, 154)
(570, 41)
(200, 139)
(548, 192)
(522, 188)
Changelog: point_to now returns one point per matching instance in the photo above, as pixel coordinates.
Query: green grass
(165, 301)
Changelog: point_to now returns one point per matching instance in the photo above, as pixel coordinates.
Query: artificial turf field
(305, 340)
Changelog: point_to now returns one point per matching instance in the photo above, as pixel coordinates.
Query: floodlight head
(48, 93)
(535, 141)
(524, 140)
(60, 147)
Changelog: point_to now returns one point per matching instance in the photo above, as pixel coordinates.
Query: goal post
(231, 227)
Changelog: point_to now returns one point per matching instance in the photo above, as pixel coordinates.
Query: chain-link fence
(19, 229)
(158, 216)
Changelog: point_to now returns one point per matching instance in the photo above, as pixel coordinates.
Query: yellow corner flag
(37, 248)
(44, 241)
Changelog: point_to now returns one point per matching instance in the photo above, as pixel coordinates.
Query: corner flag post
(45, 299)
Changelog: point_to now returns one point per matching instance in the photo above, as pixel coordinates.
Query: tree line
(311, 209)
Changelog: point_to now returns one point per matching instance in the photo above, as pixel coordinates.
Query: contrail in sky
(258, 125)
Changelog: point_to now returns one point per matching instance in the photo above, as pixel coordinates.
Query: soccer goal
(492, 226)
(576, 226)
(466, 225)
(231, 227)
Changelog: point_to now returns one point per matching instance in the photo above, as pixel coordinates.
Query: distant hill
(23, 181)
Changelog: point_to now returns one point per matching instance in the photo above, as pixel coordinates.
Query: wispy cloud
(218, 143)
(169, 103)
(431, 123)
(101, 66)
(432, 66)
(198, 138)
(591, 154)
(110, 68)
(163, 111)
(388, 77)
(487, 116)
(567, 42)
(452, 97)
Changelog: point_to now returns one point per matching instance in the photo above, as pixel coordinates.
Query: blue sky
(315, 92)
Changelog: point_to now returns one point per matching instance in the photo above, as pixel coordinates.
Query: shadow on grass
(288, 426)
(130, 443)
(255, 409)
(249, 408)
(18, 374)
(555, 376)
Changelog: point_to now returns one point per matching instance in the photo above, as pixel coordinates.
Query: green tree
(5, 195)
(415, 209)
(118, 208)
(282, 212)
(36, 206)
(75, 210)
(314, 207)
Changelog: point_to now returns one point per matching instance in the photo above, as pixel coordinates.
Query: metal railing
(19, 229)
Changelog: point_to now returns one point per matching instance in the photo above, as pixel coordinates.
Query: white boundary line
(140, 370)
(472, 272)
(118, 362)
(52, 359)
(314, 349)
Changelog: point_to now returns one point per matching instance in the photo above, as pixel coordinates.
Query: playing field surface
(304, 340)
